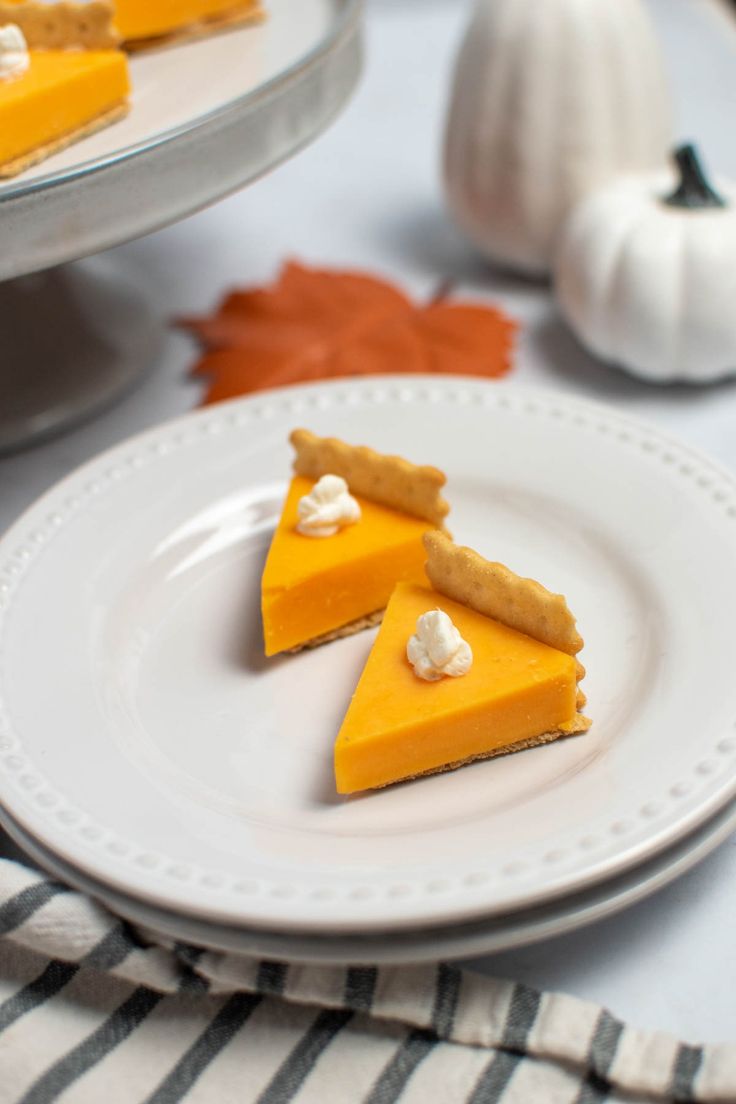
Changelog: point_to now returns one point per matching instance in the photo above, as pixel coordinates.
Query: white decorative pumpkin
(551, 98)
(646, 277)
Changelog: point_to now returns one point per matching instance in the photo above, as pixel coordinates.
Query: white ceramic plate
(470, 940)
(145, 740)
(206, 117)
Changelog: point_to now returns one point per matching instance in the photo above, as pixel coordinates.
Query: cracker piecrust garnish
(522, 604)
(388, 480)
(63, 26)
(496, 592)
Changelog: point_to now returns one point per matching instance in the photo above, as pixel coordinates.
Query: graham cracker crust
(576, 727)
(40, 153)
(195, 31)
(350, 629)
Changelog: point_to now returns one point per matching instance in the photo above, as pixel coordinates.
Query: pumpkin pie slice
(54, 91)
(100, 24)
(318, 587)
(155, 22)
(513, 681)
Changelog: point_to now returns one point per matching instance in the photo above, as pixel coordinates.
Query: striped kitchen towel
(93, 1012)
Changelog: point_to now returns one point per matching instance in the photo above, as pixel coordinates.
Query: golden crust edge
(391, 480)
(576, 727)
(63, 25)
(368, 621)
(494, 591)
(41, 153)
(218, 24)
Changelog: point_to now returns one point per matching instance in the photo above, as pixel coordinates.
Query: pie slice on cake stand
(61, 79)
(140, 23)
(145, 23)
(243, 102)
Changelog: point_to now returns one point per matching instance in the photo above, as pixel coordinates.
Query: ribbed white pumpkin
(646, 277)
(551, 98)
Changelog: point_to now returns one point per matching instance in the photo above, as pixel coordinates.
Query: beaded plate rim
(32, 799)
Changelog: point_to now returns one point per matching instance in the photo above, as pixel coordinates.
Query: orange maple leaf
(317, 324)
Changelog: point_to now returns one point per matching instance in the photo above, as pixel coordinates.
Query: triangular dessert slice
(61, 79)
(513, 686)
(144, 23)
(101, 24)
(321, 584)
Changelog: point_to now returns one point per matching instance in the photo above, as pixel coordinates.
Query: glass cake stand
(207, 118)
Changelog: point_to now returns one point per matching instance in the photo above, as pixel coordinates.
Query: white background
(367, 195)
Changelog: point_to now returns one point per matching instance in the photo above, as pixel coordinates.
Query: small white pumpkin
(646, 276)
(551, 99)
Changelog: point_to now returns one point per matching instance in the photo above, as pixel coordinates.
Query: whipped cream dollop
(437, 648)
(327, 508)
(14, 56)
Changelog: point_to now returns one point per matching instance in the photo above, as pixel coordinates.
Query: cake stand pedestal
(207, 118)
(75, 338)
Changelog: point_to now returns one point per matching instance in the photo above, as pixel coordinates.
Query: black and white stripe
(520, 1019)
(360, 987)
(406, 1027)
(227, 1022)
(419, 1043)
(358, 996)
(109, 1035)
(495, 1078)
(601, 1055)
(292, 1073)
(42, 988)
(113, 948)
(22, 906)
(688, 1061)
(271, 978)
(603, 1045)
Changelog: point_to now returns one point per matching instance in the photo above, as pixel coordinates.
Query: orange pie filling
(313, 586)
(518, 691)
(136, 19)
(61, 93)
(71, 80)
(399, 726)
(319, 584)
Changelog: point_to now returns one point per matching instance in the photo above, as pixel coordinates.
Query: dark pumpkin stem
(694, 191)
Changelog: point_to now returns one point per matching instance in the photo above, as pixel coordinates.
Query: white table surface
(367, 194)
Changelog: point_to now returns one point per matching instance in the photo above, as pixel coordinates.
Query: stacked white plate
(151, 755)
